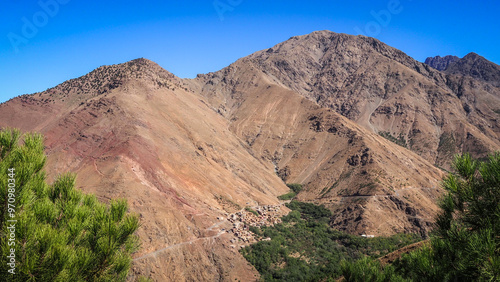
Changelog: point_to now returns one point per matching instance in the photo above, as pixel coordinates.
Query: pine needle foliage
(61, 234)
(367, 269)
(466, 246)
(466, 242)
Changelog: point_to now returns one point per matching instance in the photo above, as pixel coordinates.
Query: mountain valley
(367, 130)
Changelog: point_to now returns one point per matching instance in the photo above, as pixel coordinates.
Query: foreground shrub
(55, 232)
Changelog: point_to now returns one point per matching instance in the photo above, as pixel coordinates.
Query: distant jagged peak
(441, 63)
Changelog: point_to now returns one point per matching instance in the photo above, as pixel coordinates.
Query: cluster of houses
(259, 216)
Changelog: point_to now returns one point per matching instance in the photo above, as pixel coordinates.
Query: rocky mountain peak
(441, 63)
(473, 56)
(106, 78)
(307, 57)
(375, 85)
(478, 67)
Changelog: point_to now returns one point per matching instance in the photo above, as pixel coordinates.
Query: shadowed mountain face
(325, 110)
(441, 63)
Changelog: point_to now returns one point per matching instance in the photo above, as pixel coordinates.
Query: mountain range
(367, 130)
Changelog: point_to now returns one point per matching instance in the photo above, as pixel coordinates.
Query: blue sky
(45, 43)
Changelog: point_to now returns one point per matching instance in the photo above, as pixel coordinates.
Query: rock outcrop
(477, 67)
(441, 63)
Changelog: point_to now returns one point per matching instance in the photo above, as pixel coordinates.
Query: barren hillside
(373, 185)
(159, 146)
(381, 88)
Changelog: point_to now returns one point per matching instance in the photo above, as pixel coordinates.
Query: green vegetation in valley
(305, 248)
(466, 242)
(295, 188)
(287, 196)
(60, 234)
(367, 269)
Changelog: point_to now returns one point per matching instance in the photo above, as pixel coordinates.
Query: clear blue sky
(191, 37)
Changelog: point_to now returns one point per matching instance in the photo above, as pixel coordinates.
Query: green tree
(467, 243)
(295, 187)
(366, 269)
(304, 248)
(60, 234)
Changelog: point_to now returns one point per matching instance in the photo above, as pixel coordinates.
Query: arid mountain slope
(386, 91)
(132, 131)
(372, 185)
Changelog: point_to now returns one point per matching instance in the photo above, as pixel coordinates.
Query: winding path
(154, 253)
(396, 193)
